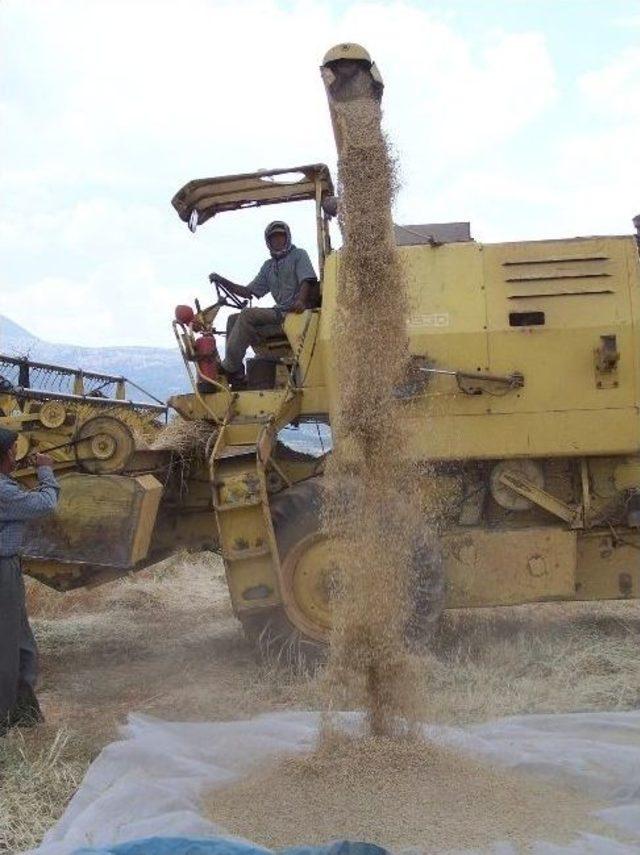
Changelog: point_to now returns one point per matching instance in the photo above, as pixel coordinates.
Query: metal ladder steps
(244, 554)
(237, 450)
(250, 420)
(233, 506)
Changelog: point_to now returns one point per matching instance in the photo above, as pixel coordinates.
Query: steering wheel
(228, 298)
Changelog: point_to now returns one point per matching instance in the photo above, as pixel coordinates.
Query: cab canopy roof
(207, 197)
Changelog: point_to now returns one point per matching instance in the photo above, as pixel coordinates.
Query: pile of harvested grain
(397, 793)
(372, 506)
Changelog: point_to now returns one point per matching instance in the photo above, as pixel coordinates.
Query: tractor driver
(290, 278)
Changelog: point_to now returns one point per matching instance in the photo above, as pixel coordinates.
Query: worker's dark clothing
(18, 649)
(281, 276)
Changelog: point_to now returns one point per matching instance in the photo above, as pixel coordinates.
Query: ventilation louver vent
(558, 277)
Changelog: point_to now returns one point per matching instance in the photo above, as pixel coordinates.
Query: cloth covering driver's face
(277, 241)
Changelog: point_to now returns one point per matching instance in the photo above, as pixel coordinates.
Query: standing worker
(291, 279)
(18, 650)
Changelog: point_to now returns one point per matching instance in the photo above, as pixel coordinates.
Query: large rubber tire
(296, 514)
(427, 592)
(276, 640)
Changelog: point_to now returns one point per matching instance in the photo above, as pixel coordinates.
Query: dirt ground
(165, 642)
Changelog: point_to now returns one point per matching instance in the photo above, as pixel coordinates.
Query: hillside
(159, 370)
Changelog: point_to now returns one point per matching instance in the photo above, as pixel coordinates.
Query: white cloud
(628, 21)
(614, 89)
(598, 167)
(110, 305)
(108, 107)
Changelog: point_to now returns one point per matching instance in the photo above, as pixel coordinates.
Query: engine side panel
(540, 308)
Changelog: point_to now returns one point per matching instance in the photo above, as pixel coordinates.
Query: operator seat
(272, 351)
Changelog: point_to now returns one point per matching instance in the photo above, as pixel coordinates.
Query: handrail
(198, 374)
(24, 393)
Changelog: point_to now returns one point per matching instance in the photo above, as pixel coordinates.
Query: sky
(521, 116)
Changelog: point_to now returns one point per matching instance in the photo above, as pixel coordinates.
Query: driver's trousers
(245, 330)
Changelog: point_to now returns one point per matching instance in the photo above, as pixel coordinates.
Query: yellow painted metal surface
(311, 368)
(626, 475)
(472, 309)
(150, 495)
(464, 298)
(101, 527)
(106, 519)
(509, 566)
(308, 574)
(239, 500)
(251, 572)
(584, 294)
(67, 575)
(608, 566)
(500, 435)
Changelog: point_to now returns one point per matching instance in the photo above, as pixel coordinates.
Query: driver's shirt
(283, 277)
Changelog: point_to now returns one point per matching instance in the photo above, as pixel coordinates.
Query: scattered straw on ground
(397, 793)
(545, 658)
(164, 642)
(38, 776)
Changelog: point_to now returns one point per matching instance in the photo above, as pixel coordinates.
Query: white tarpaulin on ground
(150, 782)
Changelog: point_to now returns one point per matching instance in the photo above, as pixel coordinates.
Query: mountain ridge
(158, 370)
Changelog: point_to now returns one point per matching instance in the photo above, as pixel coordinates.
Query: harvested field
(164, 642)
(399, 794)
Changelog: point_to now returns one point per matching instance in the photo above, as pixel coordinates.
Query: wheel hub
(309, 575)
(103, 446)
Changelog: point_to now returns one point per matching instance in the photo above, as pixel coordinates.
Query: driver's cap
(278, 227)
(274, 227)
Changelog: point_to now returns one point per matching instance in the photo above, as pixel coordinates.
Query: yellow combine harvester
(522, 405)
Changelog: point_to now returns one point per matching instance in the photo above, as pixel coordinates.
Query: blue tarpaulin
(223, 846)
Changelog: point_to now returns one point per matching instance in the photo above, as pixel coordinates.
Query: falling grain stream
(372, 506)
